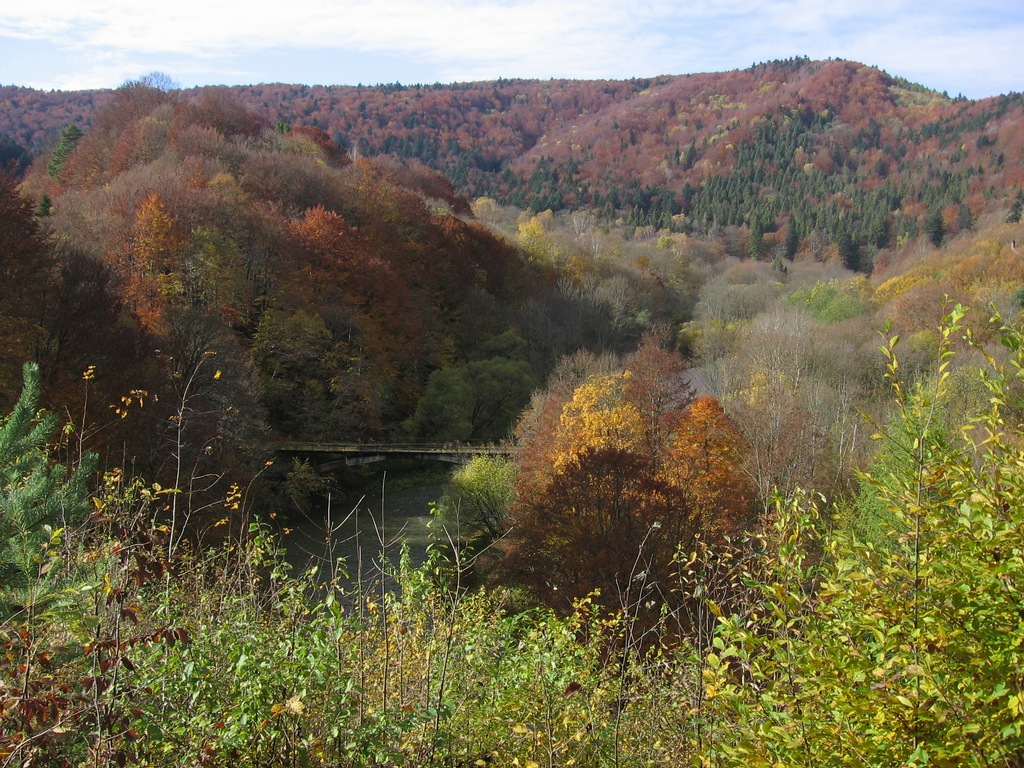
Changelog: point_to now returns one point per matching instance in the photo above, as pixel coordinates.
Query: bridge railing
(396, 448)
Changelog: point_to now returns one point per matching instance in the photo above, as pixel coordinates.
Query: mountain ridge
(840, 148)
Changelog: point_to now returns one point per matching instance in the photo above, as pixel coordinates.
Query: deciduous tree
(150, 261)
(476, 504)
(901, 651)
(659, 388)
(706, 462)
(605, 523)
(633, 469)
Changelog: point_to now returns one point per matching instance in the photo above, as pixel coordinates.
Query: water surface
(361, 531)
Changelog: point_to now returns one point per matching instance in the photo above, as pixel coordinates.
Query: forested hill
(261, 237)
(841, 149)
(219, 283)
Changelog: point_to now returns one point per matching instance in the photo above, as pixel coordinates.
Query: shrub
(900, 654)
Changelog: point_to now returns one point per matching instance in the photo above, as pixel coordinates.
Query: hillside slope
(848, 152)
(231, 284)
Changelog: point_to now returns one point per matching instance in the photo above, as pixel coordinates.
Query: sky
(969, 47)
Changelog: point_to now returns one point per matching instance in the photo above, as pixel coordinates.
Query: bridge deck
(393, 448)
(326, 457)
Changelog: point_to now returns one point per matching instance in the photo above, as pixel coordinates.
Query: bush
(806, 644)
(903, 654)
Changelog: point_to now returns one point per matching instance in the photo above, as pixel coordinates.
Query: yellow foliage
(535, 239)
(226, 188)
(989, 265)
(304, 145)
(895, 287)
(482, 206)
(578, 267)
(763, 387)
(156, 241)
(598, 416)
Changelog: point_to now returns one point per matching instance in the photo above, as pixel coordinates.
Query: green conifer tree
(70, 135)
(934, 227)
(792, 243)
(1013, 217)
(45, 207)
(37, 496)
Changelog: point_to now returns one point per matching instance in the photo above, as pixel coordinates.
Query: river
(353, 527)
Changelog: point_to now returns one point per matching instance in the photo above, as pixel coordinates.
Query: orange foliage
(615, 477)
(220, 109)
(57, 309)
(706, 461)
(119, 137)
(140, 142)
(324, 235)
(195, 218)
(157, 241)
(659, 390)
(149, 263)
(604, 523)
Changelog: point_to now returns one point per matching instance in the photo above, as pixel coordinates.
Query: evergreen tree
(934, 227)
(690, 157)
(792, 243)
(70, 135)
(1013, 217)
(45, 207)
(37, 497)
(965, 219)
(756, 239)
(849, 251)
(13, 156)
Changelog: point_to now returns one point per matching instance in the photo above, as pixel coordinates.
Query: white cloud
(941, 43)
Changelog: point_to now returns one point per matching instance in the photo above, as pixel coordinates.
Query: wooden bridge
(326, 457)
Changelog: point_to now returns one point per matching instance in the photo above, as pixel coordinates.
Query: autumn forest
(751, 342)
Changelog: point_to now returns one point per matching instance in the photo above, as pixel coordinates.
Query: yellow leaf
(295, 705)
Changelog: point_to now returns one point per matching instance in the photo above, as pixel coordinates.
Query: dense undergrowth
(808, 643)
